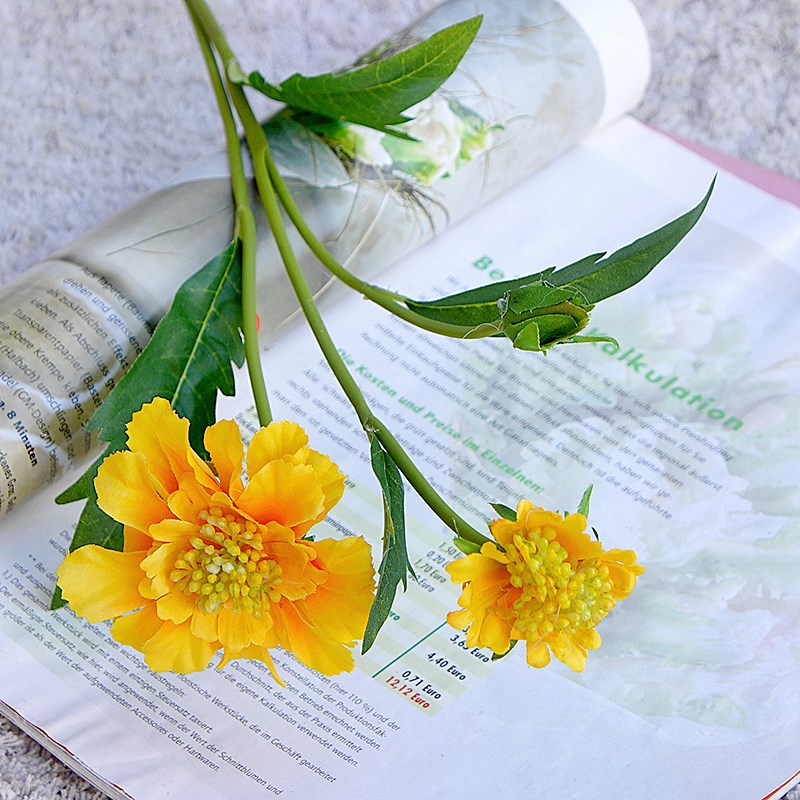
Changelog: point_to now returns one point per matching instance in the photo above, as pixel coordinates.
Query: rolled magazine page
(538, 78)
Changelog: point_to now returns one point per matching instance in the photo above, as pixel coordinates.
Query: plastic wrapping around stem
(532, 84)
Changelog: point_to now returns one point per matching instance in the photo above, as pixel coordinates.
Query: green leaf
(377, 93)
(300, 153)
(504, 511)
(466, 546)
(552, 306)
(583, 506)
(626, 267)
(187, 361)
(395, 565)
(189, 357)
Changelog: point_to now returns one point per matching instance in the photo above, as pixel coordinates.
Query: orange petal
(136, 540)
(298, 576)
(570, 534)
(223, 440)
(283, 493)
(276, 441)
(491, 631)
(101, 584)
(128, 492)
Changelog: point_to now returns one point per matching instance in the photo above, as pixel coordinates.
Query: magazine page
(687, 428)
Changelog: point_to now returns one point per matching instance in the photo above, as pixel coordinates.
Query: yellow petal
(204, 625)
(277, 441)
(128, 492)
(175, 607)
(223, 440)
(253, 653)
(101, 584)
(587, 638)
(567, 650)
(340, 606)
(173, 530)
(308, 644)
(329, 479)
(159, 564)
(283, 493)
(190, 498)
(237, 631)
(136, 629)
(298, 576)
(173, 648)
(159, 434)
(537, 654)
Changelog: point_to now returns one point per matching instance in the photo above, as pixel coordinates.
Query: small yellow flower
(210, 563)
(548, 583)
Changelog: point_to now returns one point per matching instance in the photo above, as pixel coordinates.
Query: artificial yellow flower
(548, 583)
(210, 563)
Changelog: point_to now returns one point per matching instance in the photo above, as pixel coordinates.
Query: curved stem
(390, 301)
(245, 228)
(259, 151)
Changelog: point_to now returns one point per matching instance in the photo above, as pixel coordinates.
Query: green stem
(390, 301)
(259, 151)
(245, 228)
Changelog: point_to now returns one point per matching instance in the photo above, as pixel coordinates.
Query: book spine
(532, 85)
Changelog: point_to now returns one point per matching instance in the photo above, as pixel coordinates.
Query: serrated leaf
(627, 266)
(395, 566)
(189, 357)
(583, 506)
(504, 511)
(187, 360)
(377, 93)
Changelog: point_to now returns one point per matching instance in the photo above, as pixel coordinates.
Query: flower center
(225, 566)
(554, 594)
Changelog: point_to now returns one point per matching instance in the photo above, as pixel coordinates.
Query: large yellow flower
(548, 583)
(210, 563)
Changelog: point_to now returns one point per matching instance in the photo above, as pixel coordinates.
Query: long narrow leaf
(626, 267)
(395, 566)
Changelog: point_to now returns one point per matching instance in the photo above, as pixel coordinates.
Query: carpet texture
(103, 100)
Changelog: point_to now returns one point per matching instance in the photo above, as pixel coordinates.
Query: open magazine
(688, 427)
